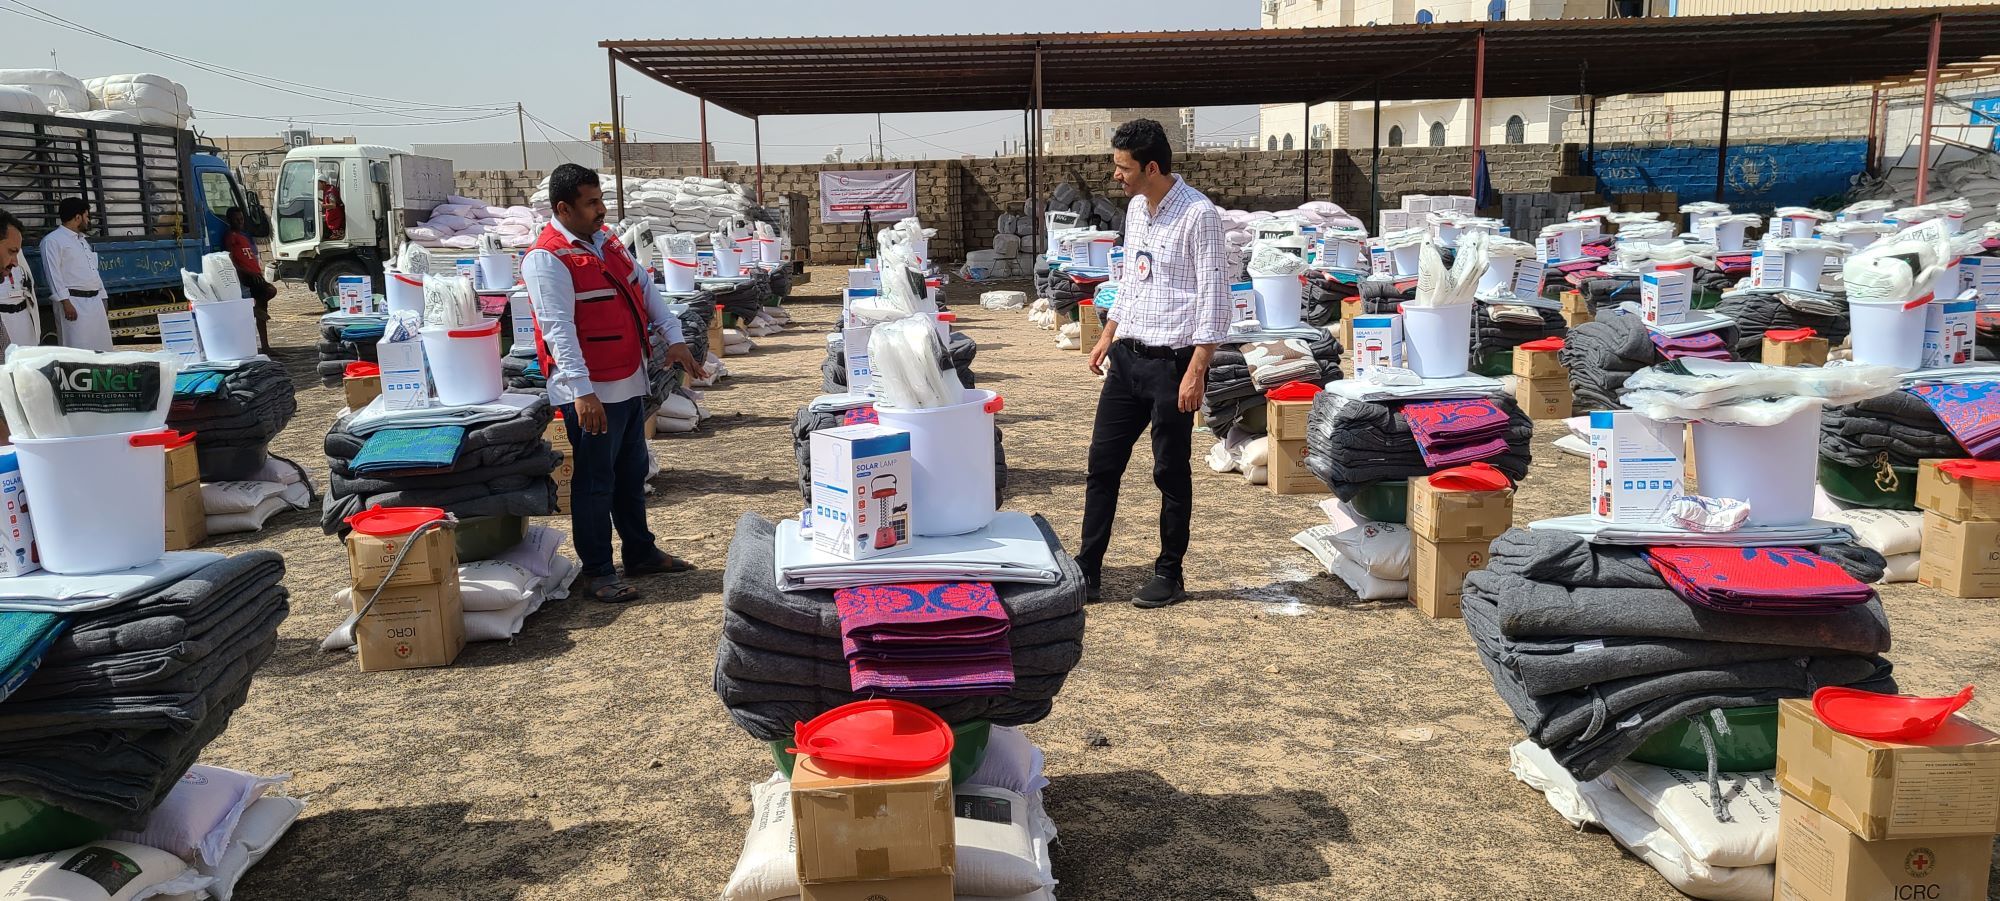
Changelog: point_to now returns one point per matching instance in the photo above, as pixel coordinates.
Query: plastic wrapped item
(219, 276)
(63, 392)
(1438, 286)
(913, 370)
(1708, 514)
(413, 260)
(1891, 271)
(1269, 258)
(1692, 388)
(450, 302)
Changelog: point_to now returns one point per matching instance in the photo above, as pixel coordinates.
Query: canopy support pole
(617, 134)
(1930, 101)
(1478, 111)
(1306, 177)
(1035, 151)
(757, 132)
(1375, 168)
(1874, 129)
(1722, 139)
(704, 139)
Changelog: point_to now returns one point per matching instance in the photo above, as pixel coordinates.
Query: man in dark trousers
(595, 308)
(1173, 308)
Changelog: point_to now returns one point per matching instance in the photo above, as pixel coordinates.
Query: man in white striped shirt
(1172, 309)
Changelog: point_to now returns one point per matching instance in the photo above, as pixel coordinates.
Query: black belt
(76, 293)
(16, 307)
(1154, 351)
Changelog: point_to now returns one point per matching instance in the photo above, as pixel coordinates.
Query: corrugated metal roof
(937, 73)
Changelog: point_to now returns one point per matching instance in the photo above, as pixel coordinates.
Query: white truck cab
(340, 209)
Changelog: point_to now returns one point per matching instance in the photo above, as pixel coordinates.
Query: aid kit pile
(460, 222)
(1001, 832)
(832, 411)
(689, 204)
(1352, 444)
(498, 594)
(346, 338)
(233, 410)
(1603, 353)
(481, 460)
(1876, 444)
(1759, 310)
(141, 670)
(1251, 362)
(789, 653)
(1598, 649)
(1752, 394)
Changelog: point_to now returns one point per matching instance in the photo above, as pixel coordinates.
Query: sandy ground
(1273, 738)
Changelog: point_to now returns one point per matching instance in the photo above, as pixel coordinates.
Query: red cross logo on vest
(610, 316)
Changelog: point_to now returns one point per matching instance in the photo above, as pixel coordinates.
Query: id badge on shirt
(1142, 265)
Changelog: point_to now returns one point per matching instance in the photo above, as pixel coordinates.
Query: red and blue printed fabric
(1707, 346)
(1453, 432)
(1970, 410)
(926, 638)
(861, 415)
(1777, 581)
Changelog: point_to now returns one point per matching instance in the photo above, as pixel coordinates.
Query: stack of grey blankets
(835, 410)
(233, 424)
(1602, 354)
(344, 338)
(1353, 444)
(1063, 290)
(524, 374)
(780, 660)
(742, 297)
(1490, 335)
(833, 369)
(1382, 296)
(1233, 396)
(130, 694)
(1594, 654)
(1606, 292)
(502, 469)
(1895, 424)
(1760, 310)
(1323, 296)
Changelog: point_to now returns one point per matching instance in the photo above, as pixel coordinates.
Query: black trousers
(1140, 389)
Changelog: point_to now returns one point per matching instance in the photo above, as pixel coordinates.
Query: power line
(301, 121)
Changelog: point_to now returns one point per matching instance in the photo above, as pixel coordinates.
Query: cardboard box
(1378, 343)
(1948, 334)
(1438, 514)
(1242, 301)
(17, 532)
(1538, 364)
(183, 466)
(1635, 466)
(1961, 559)
(1437, 573)
(1810, 352)
(854, 346)
(361, 389)
(1952, 497)
(521, 318)
(1350, 309)
(1543, 399)
(852, 829)
(1285, 469)
(1948, 785)
(433, 560)
(1767, 270)
(187, 517)
(406, 383)
(178, 336)
(861, 482)
(914, 888)
(410, 626)
(1818, 860)
(1981, 275)
(1285, 420)
(1088, 325)
(863, 279)
(716, 339)
(356, 293)
(1531, 277)
(1577, 309)
(1665, 296)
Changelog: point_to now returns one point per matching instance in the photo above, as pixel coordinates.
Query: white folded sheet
(1010, 549)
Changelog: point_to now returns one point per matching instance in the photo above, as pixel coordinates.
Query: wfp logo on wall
(1751, 171)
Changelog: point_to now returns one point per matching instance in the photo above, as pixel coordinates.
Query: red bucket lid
(361, 370)
(382, 522)
(882, 736)
(1789, 335)
(1293, 391)
(1880, 717)
(492, 327)
(1543, 344)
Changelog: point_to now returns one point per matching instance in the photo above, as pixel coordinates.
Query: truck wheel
(328, 283)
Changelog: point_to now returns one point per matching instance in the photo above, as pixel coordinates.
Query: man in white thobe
(74, 284)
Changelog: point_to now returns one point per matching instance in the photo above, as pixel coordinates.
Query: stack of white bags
(245, 506)
(690, 204)
(137, 99)
(460, 222)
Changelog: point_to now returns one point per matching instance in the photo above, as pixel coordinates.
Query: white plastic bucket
(1885, 334)
(1729, 235)
(496, 271)
(96, 500)
(1348, 255)
(228, 329)
(464, 363)
(679, 275)
(728, 263)
(768, 249)
(1569, 244)
(1499, 274)
(1946, 285)
(1406, 258)
(1954, 223)
(1803, 269)
(1447, 233)
(1100, 252)
(1438, 340)
(1769, 467)
(951, 451)
(406, 292)
(1278, 300)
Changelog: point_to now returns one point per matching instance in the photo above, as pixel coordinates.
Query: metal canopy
(1601, 57)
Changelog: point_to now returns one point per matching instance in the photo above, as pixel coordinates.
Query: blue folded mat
(199, 383)
(24, 638)
(361, 331)
(388, 450)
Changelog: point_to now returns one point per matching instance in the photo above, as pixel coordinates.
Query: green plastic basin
(1384, 501)
(1884, 486)
(486, 537)
(30, 827)
(1751, 745)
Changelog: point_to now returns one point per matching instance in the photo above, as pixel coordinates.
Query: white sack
(200, 814)
(54, 876)
(1900, 568)
(1381, 547)
(59, 91)
(1887, 532)
(33, 401)
(262, 825)
(1678, 800)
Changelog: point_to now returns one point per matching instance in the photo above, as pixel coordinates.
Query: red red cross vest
(610, 317)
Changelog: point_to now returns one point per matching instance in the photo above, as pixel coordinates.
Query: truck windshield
(296, 202)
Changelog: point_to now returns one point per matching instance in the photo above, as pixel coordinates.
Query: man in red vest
(594, 311)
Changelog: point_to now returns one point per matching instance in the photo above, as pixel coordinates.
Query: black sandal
(610, 590)
(667, 565)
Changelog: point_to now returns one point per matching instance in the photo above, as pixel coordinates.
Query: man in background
(595, 308)
(1173, 308)
(74, 284)
(20, 318)
(250, 270)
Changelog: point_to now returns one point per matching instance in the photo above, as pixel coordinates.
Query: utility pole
(521, 122)
(881, 152)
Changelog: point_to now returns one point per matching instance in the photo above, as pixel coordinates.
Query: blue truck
(156, 198)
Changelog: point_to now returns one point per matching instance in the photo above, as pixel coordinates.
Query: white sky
(489, 55)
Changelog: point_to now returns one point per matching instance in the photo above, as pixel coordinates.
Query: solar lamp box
(179, 337)
(1981, 275)
(406, 383)
(1956, 497)
(1767, 270)
(861, 491)
(521, 318)
(860, 371)
(410, 626)
(17, 529)
(867, 828)
(1635, 467)
(1820, 860)
(1243, 301)
(1948, 332)
(1665, 296)
(1378, 343)
(1944, 785)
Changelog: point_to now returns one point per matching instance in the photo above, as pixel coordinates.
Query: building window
(1496, 10)
(1395, 135)
(1424, 17)
(1288, 140)
(1437, 134)
(1517, 130)
(1273, 145)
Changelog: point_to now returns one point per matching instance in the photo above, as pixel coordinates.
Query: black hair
(233, 211)
(70, 208)
(8, 221)
(567, 181)
(1147, 142)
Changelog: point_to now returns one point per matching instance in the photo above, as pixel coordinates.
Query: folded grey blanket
(170, 615)
(522, 429)
(539, 499)
(1566, 559)
(1546, 666)
(186, 666)
(538, 462)
(1527, 610)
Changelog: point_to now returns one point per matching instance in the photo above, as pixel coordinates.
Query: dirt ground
(1273, 738)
